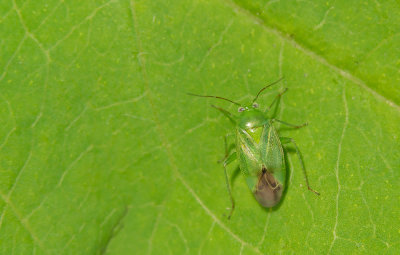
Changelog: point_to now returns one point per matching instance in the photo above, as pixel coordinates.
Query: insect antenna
(226, 99)
(269, 85)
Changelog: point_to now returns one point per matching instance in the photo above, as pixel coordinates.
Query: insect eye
(255, 105)
(241, 109)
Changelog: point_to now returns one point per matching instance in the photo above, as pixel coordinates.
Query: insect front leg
(291, 125)
(286, 140)
(226, 113)
(276, 101)
(232, 157)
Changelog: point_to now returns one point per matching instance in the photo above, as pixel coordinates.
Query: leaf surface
(102, 152)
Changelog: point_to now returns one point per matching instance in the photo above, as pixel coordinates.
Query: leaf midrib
(309, 52)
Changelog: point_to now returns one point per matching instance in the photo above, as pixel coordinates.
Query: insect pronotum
(259, 150)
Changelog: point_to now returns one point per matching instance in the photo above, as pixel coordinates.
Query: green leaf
(102, 152)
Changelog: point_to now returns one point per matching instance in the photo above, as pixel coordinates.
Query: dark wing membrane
(268, 191)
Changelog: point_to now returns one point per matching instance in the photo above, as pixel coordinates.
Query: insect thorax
(253, 128)
(251, 119)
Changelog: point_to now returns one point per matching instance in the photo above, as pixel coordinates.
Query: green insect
(259, 150)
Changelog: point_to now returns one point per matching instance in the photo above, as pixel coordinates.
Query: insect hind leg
(286, 140)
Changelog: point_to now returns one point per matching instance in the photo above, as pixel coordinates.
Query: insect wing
(271, 179)
(268, 191)
(272, 154)
(249, 155)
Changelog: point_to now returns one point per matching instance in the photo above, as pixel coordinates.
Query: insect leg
(277, 100)
(227, 148)
(285, 140)
(228, 160)
(291, 125)
(226, 113)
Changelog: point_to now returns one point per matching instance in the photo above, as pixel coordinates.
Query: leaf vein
(343, 72)
(214, 45)
(346, 122)
(23, 222)
(165, 142)
(75, 27)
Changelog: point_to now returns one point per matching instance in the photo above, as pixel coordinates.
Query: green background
(102, 152)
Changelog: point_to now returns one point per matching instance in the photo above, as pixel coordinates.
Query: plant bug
(259, 150)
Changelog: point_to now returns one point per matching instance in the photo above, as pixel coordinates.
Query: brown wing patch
(268, 191)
